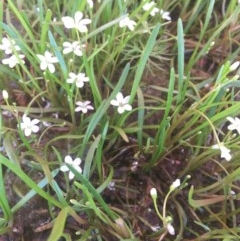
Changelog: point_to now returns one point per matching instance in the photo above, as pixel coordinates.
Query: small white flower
(126, 22)
(74, 163)
(170, 229)
(225, 152)
(155, 228)
(73, 47)
(90, 3)
(5, 94)
(122, 103)
(165, 15)
(47, 61)
(234, 66)
(8, 45)
(83, 106)
(148, 6)
(28, 126)
(78, 79)
(175, 184)
(77, 22)
(111, 186)
(13, 60)
(235, 124)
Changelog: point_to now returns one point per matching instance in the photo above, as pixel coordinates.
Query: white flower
(90, 3)
(8, 45)
(235, 124)
(175, 184)
(76, 22)
(170, 229)
(83, 106)
(73, 47)
(5, 94)
(165, 15)
(122, 103)
(126, 22)
(78, 79)
(225, 152)
(28, 126)
(111, 186)
(234, 66)
(74, 163)
(13, 60)
(47, 61)
(148, 6)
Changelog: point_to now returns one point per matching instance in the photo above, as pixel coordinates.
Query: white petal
(114, 102)
(86, 21)
(79, 84)
(119, 97)
(6, 61)
(128, 107)
(27, 132)
(121, 109)
(84, 110)
(51, 68)
(35, 129)
(43, 66)
(68, 159)
(68, 22)
(67, 51)
(64, 168)
(77, 161)
(67, 44)
(126, 99)
(78, 16)
(229, 118)
(78, 52)
(71, 175)
(41, 57)
(82, 28)
(79, 169)
(35, 121)
(54, 60)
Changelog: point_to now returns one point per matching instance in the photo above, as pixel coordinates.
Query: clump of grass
(102, 103)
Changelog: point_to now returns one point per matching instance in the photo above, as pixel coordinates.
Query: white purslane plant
(74, 163)
(78, 79)
(151, 5)
(235, 124)
(225, 152)
(77, 22)
(13, 60)
(74, 47)
(83, 106)
(165, 15)
(122, 103)
(9, 45)
(127, 22)
(28, 126)
(47, 61)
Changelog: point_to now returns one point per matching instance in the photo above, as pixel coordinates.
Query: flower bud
(153, 193)
(5, 94)
(175, 184)
(234, 66)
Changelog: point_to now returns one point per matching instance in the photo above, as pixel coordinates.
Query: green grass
(176, 76)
